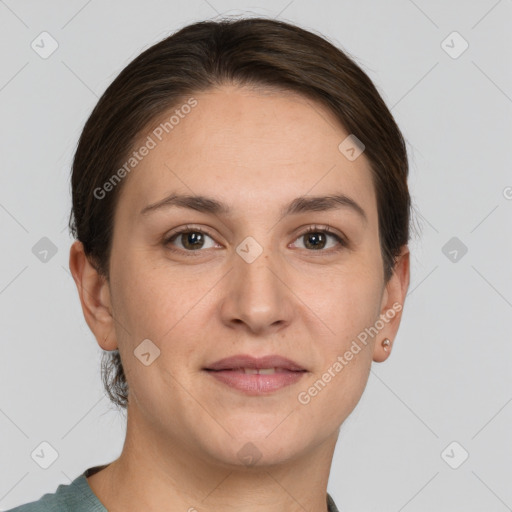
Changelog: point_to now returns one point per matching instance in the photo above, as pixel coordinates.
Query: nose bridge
(258, 297)
(253, 266)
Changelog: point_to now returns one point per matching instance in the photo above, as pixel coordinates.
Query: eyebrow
(300, 204)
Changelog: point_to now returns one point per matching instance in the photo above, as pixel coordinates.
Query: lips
(256, 376)
(245, 362)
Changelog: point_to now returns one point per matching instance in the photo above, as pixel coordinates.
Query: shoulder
(50, 502)
(35, 506)
(47, 503)
(74, 497)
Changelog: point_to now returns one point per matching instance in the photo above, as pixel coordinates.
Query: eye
(316, 239)
(191, 239)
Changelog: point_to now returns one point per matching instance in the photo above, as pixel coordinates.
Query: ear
(94, 292)
(392, 304)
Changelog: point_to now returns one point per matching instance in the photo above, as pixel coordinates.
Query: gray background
(448, 378)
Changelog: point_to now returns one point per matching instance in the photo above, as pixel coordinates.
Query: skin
(255, 151)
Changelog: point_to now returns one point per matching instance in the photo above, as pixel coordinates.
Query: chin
(255, 456)
(255, 448)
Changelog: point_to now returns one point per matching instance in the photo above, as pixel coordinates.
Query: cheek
(348, 305)
(347, 300)
(157, 306)
(166, 306)
(152, 295)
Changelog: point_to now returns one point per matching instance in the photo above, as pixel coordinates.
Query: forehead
(247, 148)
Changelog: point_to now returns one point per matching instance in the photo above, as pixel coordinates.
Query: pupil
(192, 239)
(315, 236)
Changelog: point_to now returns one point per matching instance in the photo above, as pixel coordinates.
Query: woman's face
(247, 282)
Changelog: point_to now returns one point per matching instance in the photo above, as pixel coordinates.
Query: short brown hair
(247, 51)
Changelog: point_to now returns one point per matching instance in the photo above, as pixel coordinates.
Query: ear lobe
(392, 305)
(94, 293)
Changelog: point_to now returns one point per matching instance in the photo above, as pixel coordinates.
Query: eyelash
(311, 229)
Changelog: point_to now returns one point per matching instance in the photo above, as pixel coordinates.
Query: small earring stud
(386, 343)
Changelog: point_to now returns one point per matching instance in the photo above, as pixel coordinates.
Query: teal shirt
(74, 497)
(78, 497)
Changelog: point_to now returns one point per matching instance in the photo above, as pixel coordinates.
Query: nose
(257, 298)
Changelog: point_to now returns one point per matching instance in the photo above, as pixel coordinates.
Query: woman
(241, 210)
